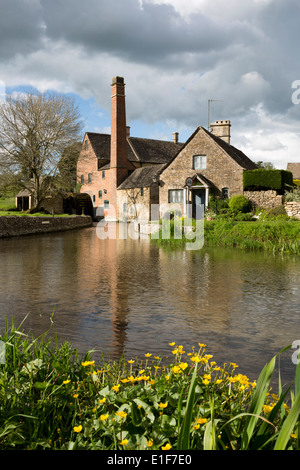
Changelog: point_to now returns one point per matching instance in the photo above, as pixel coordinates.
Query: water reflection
(118, 295)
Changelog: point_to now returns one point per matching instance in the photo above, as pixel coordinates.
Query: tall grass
(275, 236)
(51, 398)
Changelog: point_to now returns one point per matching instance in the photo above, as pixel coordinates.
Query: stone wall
(264, 199)
(293, 209)
(15, 226)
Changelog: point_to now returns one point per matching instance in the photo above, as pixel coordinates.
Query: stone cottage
(125, 175)
(207, 163)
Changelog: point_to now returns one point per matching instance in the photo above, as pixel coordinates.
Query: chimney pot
(175, 137)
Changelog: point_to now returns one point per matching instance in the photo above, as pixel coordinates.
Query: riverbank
(16, 226)
(277, 236)
(53, 399)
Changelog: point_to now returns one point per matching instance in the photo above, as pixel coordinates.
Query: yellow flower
(163, 405)
(202, 345)
(195, 359)
(103, 400)
(202, 420)
(183, 365)
(87, 363)
(205, 381)
(166, 447)
(150, 443)
(122, 414)
(218, 381)
(116, 388)
(77, 428)
(142, 371)
(172, 344)
(66, 382)
(131, 361)
(176, 369)
(76, 395)
(103, 417)
(148, 355)
(124, 442)
(167, 377)
(196, 426)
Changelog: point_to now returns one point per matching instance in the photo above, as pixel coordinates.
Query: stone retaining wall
(264, 199)
(293, 209)
(15, 226)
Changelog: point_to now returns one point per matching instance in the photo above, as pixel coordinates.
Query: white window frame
(199, 162)
(175, 196)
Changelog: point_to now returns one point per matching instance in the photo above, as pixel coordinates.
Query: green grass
(52, 398)
(277, 236)
(7, 203)
(27, 214)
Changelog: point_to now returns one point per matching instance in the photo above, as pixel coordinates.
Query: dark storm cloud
(21, 27)
(152, 34)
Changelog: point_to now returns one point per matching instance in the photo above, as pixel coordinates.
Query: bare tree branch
(35, 131)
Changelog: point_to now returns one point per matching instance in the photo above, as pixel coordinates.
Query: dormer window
(86, 144)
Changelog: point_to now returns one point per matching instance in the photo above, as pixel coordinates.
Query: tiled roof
(295, 169)
(237, 155)
(141, 177)
(138, 149)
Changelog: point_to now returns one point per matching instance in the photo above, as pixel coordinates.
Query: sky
(174, 55)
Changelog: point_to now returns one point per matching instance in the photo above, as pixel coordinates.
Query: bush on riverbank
(53, 399)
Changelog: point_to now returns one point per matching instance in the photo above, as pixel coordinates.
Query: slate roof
(237, 155)
(138, 149)
(295, 169)
(142, 177)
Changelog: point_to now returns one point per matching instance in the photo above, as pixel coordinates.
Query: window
(82, 179)
(106, 204)
(225, 193)
(94, 198)
(90, 178)
(199, 162)
(86, 145)
(100, 194)
(176, 195)
(142, 191)
(103, 174)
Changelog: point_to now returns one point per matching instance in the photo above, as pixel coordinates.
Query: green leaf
(41, 385)
(288, 425)
(257, 402)
(184, 433)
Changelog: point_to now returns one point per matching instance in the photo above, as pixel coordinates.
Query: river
(116, 295)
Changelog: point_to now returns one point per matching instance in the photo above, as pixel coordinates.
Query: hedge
(262, 179)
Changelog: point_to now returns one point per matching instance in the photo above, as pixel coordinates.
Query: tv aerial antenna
(208, 112)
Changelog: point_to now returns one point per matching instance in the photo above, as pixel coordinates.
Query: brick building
(125, 175)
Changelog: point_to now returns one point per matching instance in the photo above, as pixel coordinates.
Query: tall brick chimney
(118, 146)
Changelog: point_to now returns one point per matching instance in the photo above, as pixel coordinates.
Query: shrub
(276, 213)
(217, 205)
(293, 196)
(262, 179)
(239, 203)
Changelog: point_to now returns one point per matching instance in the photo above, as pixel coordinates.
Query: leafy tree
(35, 131)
